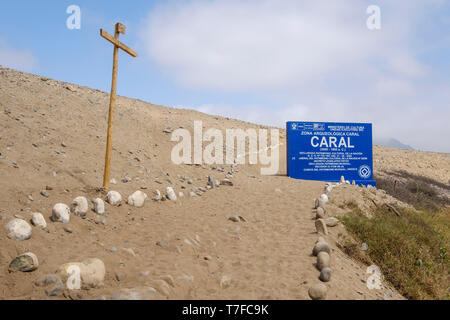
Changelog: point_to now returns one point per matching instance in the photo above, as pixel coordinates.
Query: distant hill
(393, 143)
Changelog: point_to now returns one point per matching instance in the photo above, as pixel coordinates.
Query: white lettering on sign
(331, 142)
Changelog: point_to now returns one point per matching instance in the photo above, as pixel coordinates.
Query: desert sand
(53, 135)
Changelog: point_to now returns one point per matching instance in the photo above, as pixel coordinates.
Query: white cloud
(310, 60)
(16, 59)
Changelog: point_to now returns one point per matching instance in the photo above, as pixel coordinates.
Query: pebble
(318, 292)
(99, 206)
(364, 247)
(114, 198)
(61, 213)
(234, 219)
(321, 227)
(18, 229)
(68, 230)
(323, 260)
(157, 196)
(44, 193)
(79, 206)
(225, 282)
(38, 220)
(325, 274)
(171, 194)
(26, 262)
(226, 182)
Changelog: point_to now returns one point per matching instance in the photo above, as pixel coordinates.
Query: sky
(263, 61)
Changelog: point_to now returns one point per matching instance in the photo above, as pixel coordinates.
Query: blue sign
(326, 151)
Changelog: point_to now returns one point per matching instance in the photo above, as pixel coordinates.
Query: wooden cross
(120, 29)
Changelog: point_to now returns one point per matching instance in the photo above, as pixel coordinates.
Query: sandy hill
(52, 137)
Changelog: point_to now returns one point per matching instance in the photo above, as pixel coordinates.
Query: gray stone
(44, 193)
(55, 289)
(46, 280)
(325, 274)
(26, 262)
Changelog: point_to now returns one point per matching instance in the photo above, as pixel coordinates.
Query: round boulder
(137, 199)
(318, 292)
(18, 229)
(325, 274)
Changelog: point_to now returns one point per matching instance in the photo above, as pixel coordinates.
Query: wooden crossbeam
(117, 43)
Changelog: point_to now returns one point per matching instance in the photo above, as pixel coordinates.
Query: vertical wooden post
(112, 103)
(119, 29)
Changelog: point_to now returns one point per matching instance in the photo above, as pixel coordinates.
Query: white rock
(61, 213)
(99, 206)
(79, 206)
(171, 194)
(137, 199)
(18, 229)
(321, 203)
(114, 198)
(38, 220)
(324, 198)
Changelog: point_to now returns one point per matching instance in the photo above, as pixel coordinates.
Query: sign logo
(364, 172)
